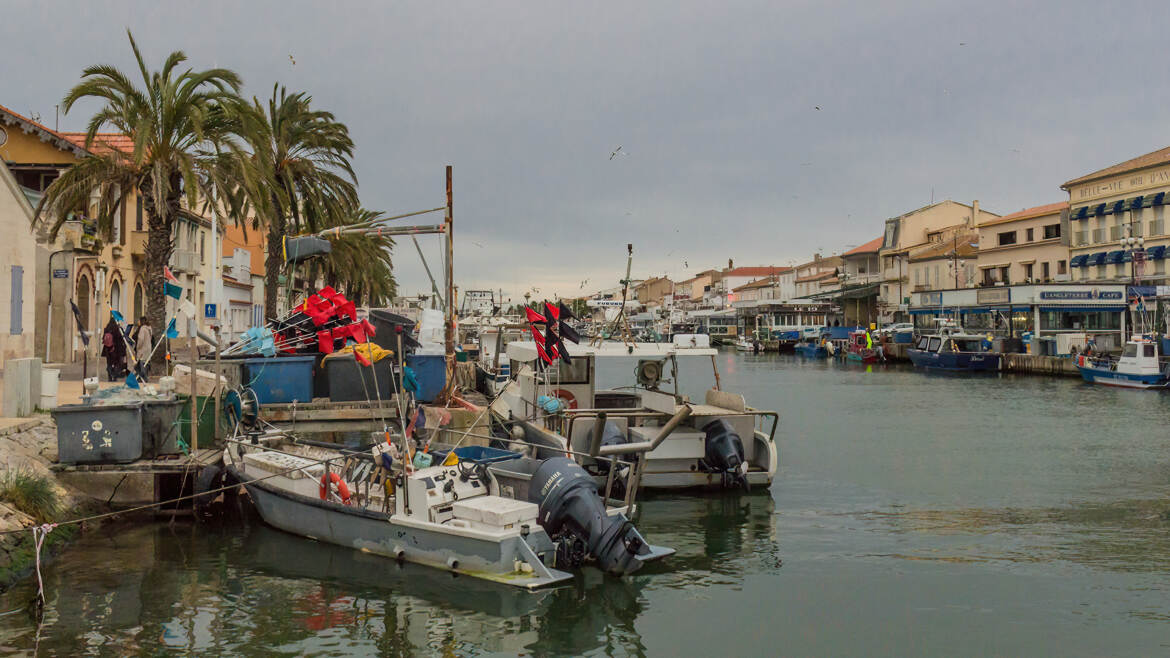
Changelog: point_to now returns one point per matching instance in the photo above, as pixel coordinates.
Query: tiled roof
(15, 117)
(966, 248)
(756, 271)
(103, 142)
(758, 283)
(816, 277)
(1159, 157)
(870, 247)
(1029, 213)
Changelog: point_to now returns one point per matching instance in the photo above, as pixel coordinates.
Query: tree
(181, 122)
(359, 265)
(299, 176)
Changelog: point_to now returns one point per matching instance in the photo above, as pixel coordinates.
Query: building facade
(1029, 246)
(910, 230)
(1110, 205)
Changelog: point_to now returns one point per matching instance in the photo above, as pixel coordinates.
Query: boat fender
(210, 478)
(342, 487)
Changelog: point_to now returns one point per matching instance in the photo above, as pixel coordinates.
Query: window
(989, 276)
(1051, 231)
(1004, 276)
(1031, 234)
(1119, 269)
(138, 302)
(116, 296)
(1028, 270)
(1098, 236)
(1159, 267)
(16, 302)
(1148, 351)
(202, 241)
(138, 214)
(1101, 271)
(1044, 271)
(1006, 238)
(1062, 267)
(1114, 233)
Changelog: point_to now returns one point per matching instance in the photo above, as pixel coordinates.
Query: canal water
(913, 514)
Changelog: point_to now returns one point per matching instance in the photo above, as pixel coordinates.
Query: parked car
(896, 328)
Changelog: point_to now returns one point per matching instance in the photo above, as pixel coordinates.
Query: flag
(167, 275)
(80, 327)
(172, 331)
(117, 317)
(172, 290)
(533, 316)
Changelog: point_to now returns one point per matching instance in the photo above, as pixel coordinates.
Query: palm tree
(300, 176)
(181, 122)
(359, 265)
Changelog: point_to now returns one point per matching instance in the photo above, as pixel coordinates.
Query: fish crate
(116, 434)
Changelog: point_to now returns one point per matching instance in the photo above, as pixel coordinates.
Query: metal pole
(194, 395)
(449, 386)
(434, 287)
(218, 377)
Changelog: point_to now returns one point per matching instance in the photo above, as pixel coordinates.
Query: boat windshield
(922, 343)
(1130, 350)
(1148, 351)
(933, 346)
(969, 344)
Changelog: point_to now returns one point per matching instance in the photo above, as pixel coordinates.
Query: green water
(913, 514)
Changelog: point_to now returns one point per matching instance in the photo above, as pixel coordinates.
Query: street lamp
(1133, 244)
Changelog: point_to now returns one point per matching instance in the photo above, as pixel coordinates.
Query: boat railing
(641, 412)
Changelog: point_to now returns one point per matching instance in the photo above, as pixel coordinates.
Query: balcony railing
(1080, 238)
(1098, 235)
(184, 261)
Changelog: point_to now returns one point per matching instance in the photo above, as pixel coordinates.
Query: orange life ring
(568, 397)
(342, 488)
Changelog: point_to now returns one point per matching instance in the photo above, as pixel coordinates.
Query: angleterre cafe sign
(1121, 185)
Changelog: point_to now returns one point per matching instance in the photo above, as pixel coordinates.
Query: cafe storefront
(1098, 311)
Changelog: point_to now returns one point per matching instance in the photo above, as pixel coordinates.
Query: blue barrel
(431, 372)
(282, 379)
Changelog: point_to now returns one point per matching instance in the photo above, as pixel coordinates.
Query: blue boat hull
(812, 351)
(1113, 378)
(955, 361)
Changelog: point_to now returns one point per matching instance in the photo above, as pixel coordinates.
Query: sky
(759, 132)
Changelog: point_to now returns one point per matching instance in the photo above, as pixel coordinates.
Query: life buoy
(342, 488)
(568, 397)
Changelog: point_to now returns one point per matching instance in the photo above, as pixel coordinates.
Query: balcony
(183, 260)
(1080, 238)
(137, 244)
(1098, 235)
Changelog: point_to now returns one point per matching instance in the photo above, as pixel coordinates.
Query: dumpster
(117, 433)
(431, 372)
(351, 382)
(205, 405)
(281, 379)
(233, 370)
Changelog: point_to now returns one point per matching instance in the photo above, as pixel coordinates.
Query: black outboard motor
(724, 453)
(569, 504)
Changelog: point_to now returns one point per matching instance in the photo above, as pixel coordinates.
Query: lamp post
(1133, 245)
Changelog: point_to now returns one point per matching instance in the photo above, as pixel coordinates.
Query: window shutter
(16, 301)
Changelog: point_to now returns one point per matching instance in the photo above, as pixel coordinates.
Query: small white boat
(1138, 367)
(517, 521)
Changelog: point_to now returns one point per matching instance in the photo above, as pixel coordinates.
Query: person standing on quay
(143, 344)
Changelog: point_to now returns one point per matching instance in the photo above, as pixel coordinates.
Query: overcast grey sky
(715, 104)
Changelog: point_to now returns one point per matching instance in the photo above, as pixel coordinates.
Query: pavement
(69, 391)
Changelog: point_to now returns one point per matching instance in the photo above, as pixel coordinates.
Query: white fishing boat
(494, 369)
(717, 441)
(1138, 367)
(516, 521)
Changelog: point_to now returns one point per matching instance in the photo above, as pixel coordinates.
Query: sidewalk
(69, 391)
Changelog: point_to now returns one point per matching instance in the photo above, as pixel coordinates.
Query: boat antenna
(620, 321)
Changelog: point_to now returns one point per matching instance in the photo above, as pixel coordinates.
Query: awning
(1127, 256)
(1095, 259)
(1159, 199)
(1082, 309)
(1114, 256)
(1080, 213)
(1136, 202)
(975, 310)
(1099, 210)
(1156, 253)
(1078, 260)
(924, 311)
(1119, 206)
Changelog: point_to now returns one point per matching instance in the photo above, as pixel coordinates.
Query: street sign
(60, 274)
(209, 311)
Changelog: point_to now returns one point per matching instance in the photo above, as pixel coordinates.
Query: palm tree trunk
(158, 254)
(272, 266)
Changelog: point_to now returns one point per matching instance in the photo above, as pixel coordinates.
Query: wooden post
(449, 225)
(218, 376)
(194, 395)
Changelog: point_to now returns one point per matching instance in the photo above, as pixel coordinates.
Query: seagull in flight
(617, 151)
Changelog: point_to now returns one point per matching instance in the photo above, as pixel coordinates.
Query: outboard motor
(724, 453)
(571, 510)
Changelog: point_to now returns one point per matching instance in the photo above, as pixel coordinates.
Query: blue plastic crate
(431, 372)
(477, 455)
(281, 379)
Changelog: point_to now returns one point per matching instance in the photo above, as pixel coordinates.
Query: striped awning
(1078, 260)
(1114, 256)
(1156, 253)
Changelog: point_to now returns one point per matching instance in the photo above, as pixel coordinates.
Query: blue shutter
(16, 302)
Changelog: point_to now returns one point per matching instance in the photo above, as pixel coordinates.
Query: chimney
(729, 264)
(974, 213)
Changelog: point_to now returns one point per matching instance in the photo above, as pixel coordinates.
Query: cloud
(716, 104)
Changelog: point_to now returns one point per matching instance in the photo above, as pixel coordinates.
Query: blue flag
(172, 332)
(117, 317)
(171, 290)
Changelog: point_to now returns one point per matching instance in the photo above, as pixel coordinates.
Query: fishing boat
(858, 350)
(492, 366)
(493, 515)
(744, 344)
(952, 349)
(1138, 367)
(716, 442)
(812, 348)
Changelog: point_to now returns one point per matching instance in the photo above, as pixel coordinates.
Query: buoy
(569, 398)
(342, 488)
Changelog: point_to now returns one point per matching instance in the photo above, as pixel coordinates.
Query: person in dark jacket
(114, 349)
